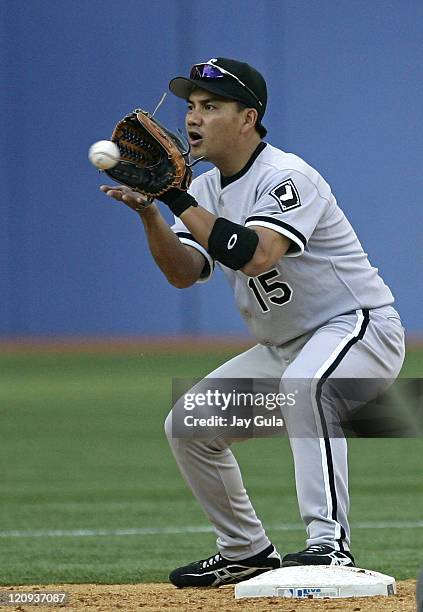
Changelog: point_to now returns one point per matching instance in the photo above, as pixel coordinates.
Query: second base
(317, 581)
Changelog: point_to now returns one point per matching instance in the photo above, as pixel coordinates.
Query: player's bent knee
(168, 426)
(174, 429)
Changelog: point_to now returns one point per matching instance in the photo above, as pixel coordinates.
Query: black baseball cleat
(217, 570)
(319, 554)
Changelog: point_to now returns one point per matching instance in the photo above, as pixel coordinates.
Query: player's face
(213, 125)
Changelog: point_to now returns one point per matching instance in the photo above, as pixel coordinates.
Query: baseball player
(305, 288)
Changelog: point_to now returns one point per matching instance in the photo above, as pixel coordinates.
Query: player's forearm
(252, 250)
(200, 223)
(171, 256)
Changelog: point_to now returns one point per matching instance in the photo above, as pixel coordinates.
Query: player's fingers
(136, 202)
(116, 195)
(107, 188)
(124, 194)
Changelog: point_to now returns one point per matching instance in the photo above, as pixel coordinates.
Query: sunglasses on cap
(211, 71)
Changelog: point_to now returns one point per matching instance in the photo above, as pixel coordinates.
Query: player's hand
(134, 200)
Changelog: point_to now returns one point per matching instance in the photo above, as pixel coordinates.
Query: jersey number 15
(275, 291)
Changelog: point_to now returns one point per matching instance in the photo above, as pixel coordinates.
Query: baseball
(104, 154)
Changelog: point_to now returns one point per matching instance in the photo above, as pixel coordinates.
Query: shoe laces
(316, 548)
(211, 560)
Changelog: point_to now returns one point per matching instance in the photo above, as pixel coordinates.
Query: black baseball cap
(227, 78)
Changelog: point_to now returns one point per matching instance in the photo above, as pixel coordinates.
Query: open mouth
(195, 138)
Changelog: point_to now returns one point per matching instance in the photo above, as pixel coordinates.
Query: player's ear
(250, 119)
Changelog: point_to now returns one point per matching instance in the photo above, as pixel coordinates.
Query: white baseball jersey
(325, 272)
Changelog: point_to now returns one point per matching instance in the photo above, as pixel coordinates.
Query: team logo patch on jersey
(286, 195)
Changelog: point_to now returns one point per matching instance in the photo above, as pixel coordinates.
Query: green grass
(82, 447)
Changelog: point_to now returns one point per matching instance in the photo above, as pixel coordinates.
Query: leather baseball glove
(153, 159)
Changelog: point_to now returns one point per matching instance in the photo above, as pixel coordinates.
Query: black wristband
(178, 201)
(232, 244)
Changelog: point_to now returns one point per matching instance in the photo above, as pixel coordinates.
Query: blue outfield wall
(345, 92)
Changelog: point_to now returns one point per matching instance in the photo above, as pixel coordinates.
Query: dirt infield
(155, 597)
(141, 344)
